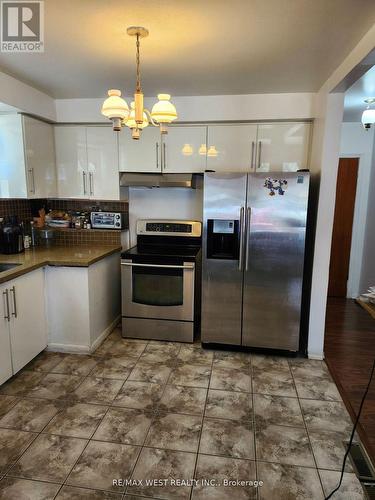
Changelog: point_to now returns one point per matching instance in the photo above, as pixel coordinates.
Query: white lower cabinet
(24, 321)
(83, 304)
(5, 352)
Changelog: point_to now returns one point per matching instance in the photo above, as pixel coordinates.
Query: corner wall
(357, 142)
(368, 259)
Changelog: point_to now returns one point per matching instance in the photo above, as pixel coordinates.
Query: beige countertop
(77, 256)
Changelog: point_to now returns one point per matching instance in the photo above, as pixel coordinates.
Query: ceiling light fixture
(368, 116)
(116, 109)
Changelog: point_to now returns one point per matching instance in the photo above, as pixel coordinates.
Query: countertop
(77, 256)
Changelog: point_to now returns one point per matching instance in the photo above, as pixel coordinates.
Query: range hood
(158, 180)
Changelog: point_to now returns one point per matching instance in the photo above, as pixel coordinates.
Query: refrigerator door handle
(248, 218)
(242, 234)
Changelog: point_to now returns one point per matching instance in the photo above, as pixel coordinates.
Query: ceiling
(354, 97)
(195, 47)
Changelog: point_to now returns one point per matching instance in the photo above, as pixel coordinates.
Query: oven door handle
(168, 266)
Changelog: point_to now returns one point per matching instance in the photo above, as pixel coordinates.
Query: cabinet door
(143, 155)
(12, 161)
(28, 326)
(40, 158)
(102, 157)
(5, 353)
(282, 147)
(181, 149)
(71, 162)
(235, 146)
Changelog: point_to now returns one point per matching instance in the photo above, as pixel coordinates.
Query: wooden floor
(350, 351)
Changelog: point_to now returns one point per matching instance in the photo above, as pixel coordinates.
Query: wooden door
(342, 227)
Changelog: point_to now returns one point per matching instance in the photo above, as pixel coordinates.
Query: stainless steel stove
(161, 281)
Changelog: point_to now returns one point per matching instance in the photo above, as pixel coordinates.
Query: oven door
(160, 291)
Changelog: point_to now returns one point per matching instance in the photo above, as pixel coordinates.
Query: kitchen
(159, 282)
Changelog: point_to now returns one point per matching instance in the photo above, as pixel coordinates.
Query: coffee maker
(11, 235)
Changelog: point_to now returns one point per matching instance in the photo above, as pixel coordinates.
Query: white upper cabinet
(282, 147)
(12, 161)
(87, 162)
(40, 158)
(27, 159)
(234, 146)
(71, 162)
(143, 155)
(102, 158)
(182, 149)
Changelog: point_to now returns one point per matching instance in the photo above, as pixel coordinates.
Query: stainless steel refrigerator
(253, 258)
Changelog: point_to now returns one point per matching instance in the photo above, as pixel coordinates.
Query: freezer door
(275, 244)
(223, 260)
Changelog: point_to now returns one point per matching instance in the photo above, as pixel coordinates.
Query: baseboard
(105, 333)
(85, 349)
(69, 348)
(320, 357)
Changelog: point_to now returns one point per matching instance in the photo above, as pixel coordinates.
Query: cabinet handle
(259, 153)
(84, 182)
(91, 179)
(13, 292)
(252, 154)
(32, 179)
(7, 315)
(157, 155)
(164, 156)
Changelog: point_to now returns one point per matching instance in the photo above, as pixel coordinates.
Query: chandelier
(138, 117)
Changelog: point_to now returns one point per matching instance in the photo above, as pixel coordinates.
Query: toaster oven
(108, 220)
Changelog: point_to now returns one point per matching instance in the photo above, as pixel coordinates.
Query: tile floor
(70, 424)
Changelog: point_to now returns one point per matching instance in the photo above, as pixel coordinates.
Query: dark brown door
(342, 226)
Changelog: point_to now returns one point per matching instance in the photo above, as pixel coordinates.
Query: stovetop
(162, 253)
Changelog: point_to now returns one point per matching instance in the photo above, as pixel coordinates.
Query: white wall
(26, 98)
(205, 108)
(324, 163)
(368, 259)
(163, 203)
(357, 142)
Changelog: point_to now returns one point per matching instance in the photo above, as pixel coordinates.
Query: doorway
(342, 227)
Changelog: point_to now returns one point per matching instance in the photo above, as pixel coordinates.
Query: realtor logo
(22, 26)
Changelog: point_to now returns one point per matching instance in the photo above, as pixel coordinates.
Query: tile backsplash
(69, 237)
(21, 208)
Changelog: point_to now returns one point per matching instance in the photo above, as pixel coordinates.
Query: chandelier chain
(138, 84)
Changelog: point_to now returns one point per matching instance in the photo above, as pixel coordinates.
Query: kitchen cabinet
(143, 155)
(39, 158)
(235, 147)
(87, 162)
(71, 161)
(24, 320)
(91, 295)
(181, 149)
(27, 160)
(282, 147)
(6, 370)
(175, 152)
(102, 163)
(263, 147)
